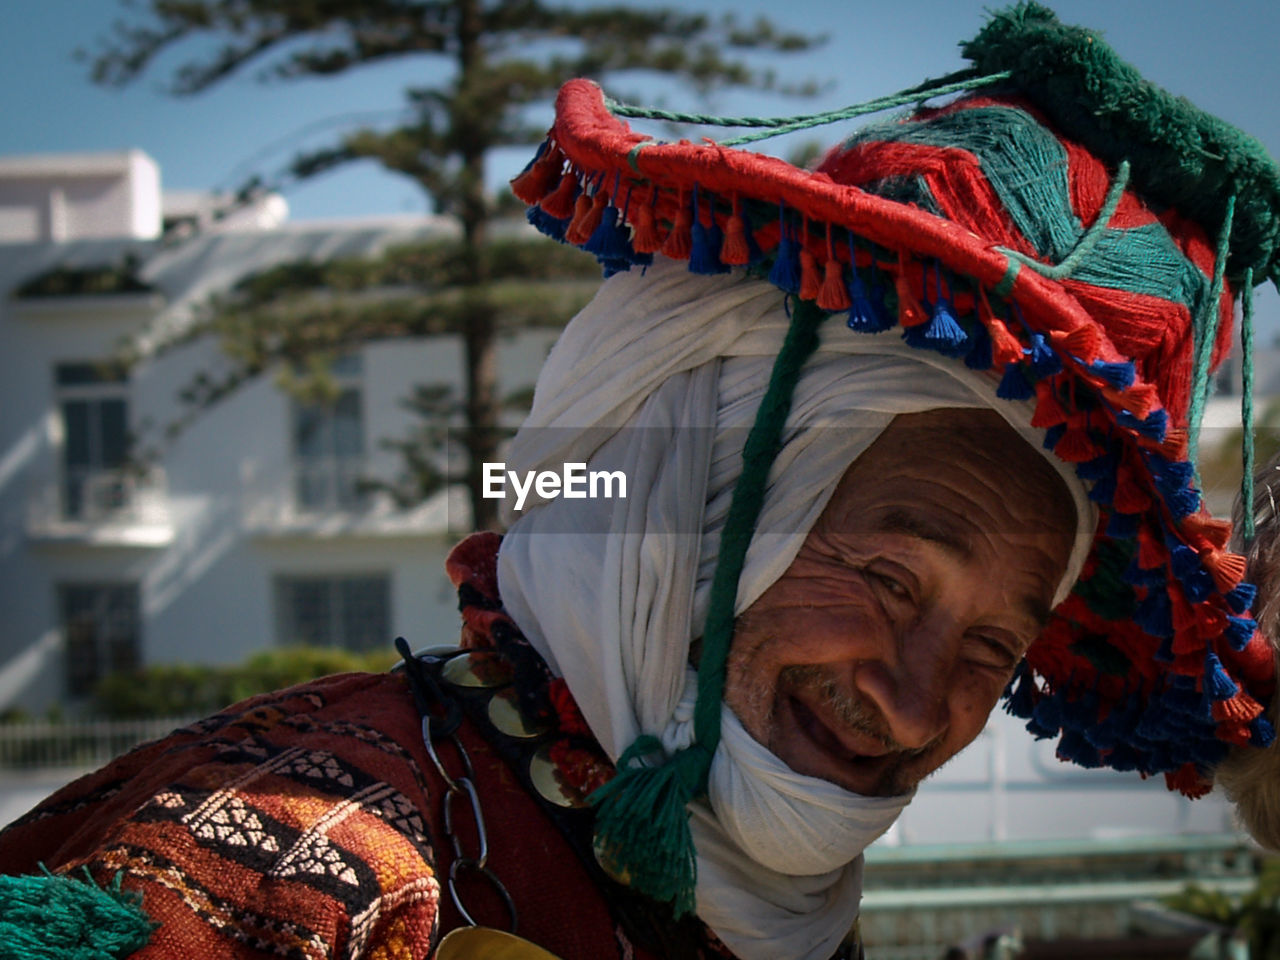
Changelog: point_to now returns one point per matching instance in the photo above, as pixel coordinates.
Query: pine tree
(506, 55)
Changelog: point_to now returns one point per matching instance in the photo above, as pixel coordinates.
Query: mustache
(853, 711)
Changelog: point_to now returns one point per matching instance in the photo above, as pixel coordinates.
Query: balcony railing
(43, 745)
(332, 496)
(120, 506)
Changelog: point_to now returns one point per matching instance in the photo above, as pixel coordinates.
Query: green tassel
(642, 822)
(63, 918)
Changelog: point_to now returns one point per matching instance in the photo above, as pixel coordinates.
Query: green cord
(1207, 333)
(1088, 241)
(1246, 401)
(760, 450)
(777, 126)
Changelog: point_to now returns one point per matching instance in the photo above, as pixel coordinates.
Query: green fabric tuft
(1106, 593)
(642, 822)
(64, 918)
(1181, 156)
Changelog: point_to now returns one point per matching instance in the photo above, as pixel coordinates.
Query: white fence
(42, 745)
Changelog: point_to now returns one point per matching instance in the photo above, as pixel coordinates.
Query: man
(931, 442)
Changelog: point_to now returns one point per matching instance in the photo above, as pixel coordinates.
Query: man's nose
(911, 683)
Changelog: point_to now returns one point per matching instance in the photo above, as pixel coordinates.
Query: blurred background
(264, 295)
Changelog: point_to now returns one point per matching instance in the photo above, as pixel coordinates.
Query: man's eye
(890, 583)
(991, 652)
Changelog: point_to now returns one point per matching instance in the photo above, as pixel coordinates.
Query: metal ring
(469, 864)
(470, 789)
(467, 771)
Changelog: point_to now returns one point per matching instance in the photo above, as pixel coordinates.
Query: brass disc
(485, 943)
(479, 668)
(504, 713)
(548, 782)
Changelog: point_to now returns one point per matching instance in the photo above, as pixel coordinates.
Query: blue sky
(1220, 55)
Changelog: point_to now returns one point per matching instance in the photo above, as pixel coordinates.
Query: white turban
(660, 377)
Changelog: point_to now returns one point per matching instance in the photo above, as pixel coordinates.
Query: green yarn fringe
(1180, 155)
(54, 917)
(642, 822)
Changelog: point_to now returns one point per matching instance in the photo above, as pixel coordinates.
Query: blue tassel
(1124, 758)
(1216, 682)
(1170, 475)
(1099, 468)
(1184, 502)
(1153, 725)
(1241, 598)
(1020, 693)
(1153, 427)
(1164, 653)
(1263, 732)
(944, 333)
(609, 241)
(1139, 577)
(1159, 760)
(1239, 632)
(1154, 614)
(1013, 385)
(1081, 714)
(1074, 748)
(1208, 753)
(546, 224)
(1184, 561)
(704, 258)
(1053, 435)
(979, 356)
(1039, 731)
(864, 315)
(1119, 375)
(1047, 714)
(1044, 362)
(1122, 526)
(785, 272)
(1104, 491)
(611, 267)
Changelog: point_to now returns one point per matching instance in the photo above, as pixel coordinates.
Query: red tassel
(1076, 446)
(1130, 497)
(1239, 709)
(810, 285)
(834, 295)
(1187, 781)
(679, 242)
(581, 213)
(1049, 412)
(735, 251)
(560, 202)
(1151, 550)
(646, 238)
(536, 182)
(1206, 532)
(1234, 733)
(1082, 342)
(910, 311)
(1005, 348)
(1227, 569)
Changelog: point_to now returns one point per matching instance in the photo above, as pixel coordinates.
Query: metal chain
(458, 785)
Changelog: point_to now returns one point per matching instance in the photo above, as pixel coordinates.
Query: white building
(253, 529)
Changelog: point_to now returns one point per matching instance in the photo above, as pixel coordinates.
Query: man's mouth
(819, 747)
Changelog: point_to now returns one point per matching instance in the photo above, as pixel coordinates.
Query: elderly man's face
(881, 651)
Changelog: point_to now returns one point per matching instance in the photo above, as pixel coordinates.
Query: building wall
(221, 524)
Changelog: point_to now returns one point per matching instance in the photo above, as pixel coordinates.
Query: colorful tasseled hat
(1065, 224)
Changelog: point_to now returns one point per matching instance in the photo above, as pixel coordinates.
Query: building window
(93, 402)
(101, 627)
(328, 445)
(353, 612)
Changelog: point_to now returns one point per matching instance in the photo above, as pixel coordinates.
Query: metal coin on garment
(547, 781)
(479, 668)
(504, 713)
(485, 943)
